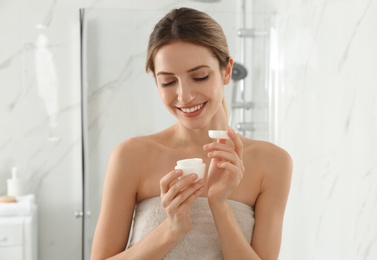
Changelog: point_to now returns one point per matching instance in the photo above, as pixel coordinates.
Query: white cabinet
(18, 237)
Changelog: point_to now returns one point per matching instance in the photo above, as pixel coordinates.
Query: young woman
(235, 211)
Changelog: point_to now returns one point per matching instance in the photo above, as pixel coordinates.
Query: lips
(192, 110)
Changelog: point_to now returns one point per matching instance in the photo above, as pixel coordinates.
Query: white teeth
(192, 109)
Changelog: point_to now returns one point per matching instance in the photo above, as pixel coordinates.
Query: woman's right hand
(177, 195)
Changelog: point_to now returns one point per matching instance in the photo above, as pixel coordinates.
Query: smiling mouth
(191, 109)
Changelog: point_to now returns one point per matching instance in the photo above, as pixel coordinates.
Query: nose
(185, 94)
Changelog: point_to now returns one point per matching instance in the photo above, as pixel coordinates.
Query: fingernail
(194, 176)
(205, 146)
(210, 154)
(231, 131)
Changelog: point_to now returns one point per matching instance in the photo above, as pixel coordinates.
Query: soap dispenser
(15, 184)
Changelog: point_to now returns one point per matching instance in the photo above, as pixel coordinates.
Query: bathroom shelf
(18, 237)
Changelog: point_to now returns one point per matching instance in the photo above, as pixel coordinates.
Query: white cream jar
(192, 165)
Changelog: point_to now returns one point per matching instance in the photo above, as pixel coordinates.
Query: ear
(228, 71)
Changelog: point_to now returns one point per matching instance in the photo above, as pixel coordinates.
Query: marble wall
(324, 66)
(322, 80)
(40, 130)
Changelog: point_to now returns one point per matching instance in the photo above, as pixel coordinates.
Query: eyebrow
(190, 70)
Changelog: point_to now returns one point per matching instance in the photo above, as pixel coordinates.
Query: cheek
(165, 95)
(217, 88)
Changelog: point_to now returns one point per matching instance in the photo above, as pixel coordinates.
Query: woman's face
(190, 82)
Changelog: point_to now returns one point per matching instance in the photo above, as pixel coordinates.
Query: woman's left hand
(226, 168)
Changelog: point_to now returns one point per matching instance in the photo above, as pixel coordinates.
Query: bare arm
(177, 197)
(225, 174)
(119, 196)
(233, 242)
(118, 202)
(269, 213)
(269, 208)
(271, 203)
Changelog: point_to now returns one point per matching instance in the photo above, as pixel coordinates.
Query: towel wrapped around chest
(202, 241)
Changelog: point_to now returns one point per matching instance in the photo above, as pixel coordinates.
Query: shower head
(239, 72)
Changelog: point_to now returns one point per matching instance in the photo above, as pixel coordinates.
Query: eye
(202, 78)
(167, 84)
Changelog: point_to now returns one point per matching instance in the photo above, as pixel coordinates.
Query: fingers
(238, 145)
(232, 168)
(178, 193)
(236, 141)
(221, 155)
(221, 141)
(174, 190)
(232, 153)
(184, 197)
(167, 179)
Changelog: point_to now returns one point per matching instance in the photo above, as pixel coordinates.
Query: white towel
(24, 206)
(201, 242)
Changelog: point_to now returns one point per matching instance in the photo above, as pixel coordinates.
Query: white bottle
(15, 185)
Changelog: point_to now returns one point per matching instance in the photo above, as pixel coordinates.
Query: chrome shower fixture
(243, 105)
(239, 72)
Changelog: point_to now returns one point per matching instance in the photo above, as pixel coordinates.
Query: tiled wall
(322, 58)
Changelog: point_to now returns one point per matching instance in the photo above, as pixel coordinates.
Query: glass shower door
(117, 95)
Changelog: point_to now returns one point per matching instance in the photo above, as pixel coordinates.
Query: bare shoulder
(126, 165)
(123, 158)
(134, 149)
(271, 160)
(266, 151)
